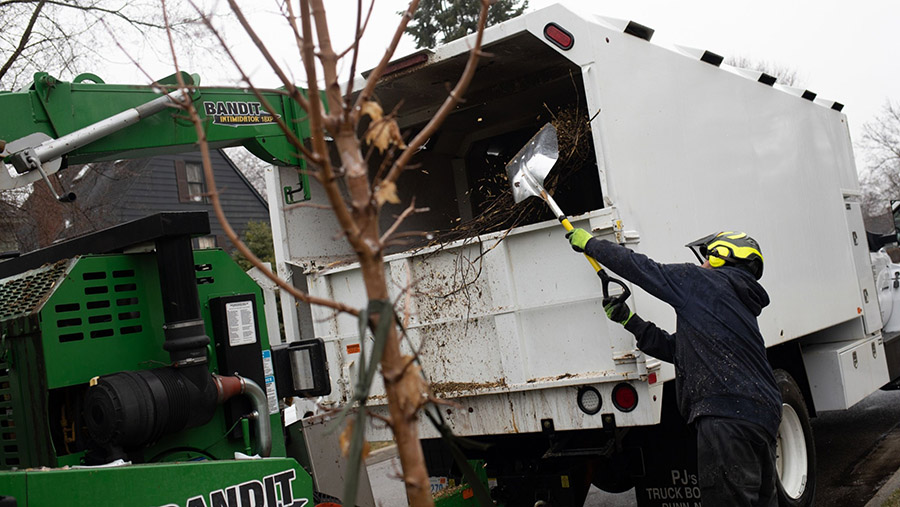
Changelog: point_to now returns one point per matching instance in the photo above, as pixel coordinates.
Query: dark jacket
(719, 353)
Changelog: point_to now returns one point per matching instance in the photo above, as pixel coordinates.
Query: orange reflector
(468, 493)
(858, 310)
(625, 398)
(353, 348)
(559, 36)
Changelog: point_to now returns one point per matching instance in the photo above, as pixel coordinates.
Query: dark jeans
(736, 461)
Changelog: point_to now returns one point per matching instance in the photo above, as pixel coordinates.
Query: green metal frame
(57, 108)
(191, 484)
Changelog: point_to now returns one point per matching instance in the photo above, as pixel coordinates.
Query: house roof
(243, 177)
(112, 192)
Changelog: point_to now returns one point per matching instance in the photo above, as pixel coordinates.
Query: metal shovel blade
(528, 169)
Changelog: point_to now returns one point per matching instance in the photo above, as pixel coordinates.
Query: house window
(191, 185)
(196, 188)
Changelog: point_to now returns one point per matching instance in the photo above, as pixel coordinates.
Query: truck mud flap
(669, 459)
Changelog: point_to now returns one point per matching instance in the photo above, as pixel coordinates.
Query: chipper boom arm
(54, 122)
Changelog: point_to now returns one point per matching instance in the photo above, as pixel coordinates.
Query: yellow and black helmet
(732, 248)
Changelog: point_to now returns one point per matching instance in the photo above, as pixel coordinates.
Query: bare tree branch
(407, 212)
(90, 8)
(375, 75)
(355, 48)
(328, 58)
(449, 103)
(64, 36)
(288, 84)
(23, 41)
(188, 106)
(318, 140)
(881, 145)
(356, 205)
(292, 91)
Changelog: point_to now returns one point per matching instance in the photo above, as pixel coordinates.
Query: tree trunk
(404, 395)
(403, 388)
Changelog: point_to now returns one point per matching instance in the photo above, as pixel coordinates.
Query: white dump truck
(508, 322)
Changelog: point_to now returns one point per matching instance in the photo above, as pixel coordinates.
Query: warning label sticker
(241, 327)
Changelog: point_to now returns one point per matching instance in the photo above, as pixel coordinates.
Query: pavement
(384, 471)
(892, 485)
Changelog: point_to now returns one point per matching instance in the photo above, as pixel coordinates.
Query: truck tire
(795, 453)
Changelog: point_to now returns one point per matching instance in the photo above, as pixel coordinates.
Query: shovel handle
(594, 264)
(604, 277)
(606, 280)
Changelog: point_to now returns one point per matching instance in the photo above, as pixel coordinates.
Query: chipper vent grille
(23, 294)
(103, 303)
(9, 447)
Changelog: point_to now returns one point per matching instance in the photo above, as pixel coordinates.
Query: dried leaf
(386, 192)
(383, 133)
(396, 138)
(372, 109)
(347, 436)
(379, 135)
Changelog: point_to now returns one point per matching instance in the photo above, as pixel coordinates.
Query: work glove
(617, 312)
(578, 238)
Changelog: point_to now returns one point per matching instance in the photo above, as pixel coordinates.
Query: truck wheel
(795, 452)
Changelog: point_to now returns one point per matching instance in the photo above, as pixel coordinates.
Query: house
(110, 193)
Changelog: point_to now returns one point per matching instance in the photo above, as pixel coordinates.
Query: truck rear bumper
(541, 406)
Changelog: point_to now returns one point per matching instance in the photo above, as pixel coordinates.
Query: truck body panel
(489, 318)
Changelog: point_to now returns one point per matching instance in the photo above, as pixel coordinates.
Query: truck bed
(506, 312)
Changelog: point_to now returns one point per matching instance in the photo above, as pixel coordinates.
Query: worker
(724, 384)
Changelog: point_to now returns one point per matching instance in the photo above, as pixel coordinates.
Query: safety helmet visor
(699, 247)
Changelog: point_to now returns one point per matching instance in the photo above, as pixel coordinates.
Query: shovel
(527, 171)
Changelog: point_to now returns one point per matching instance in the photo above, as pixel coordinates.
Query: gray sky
(844, 51)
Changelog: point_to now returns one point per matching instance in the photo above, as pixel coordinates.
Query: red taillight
(559, 36)
(625, 398)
